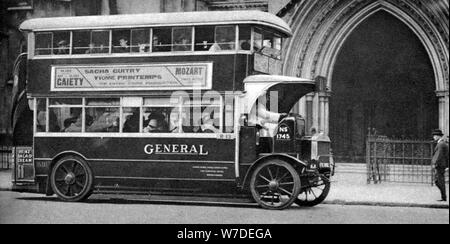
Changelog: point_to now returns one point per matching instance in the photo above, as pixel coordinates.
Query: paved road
(30, 208)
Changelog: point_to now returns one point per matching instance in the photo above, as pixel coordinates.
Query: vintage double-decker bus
(189, 104)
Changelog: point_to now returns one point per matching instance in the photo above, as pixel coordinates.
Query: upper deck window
(90, 42)
(268, 43)
(61, 42)
(182, 38)
(140, 40)
(257, 39)
(204, 37)
(56, 43)
(162, 40)
(121, 41)
(245, 36)
(44, 43)
(225, 38)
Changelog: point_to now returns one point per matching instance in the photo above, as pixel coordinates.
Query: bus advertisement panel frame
(132, 77)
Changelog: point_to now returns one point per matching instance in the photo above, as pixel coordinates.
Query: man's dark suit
(440, 162)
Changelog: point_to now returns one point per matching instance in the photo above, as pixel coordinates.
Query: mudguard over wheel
(275, 184)
(71, 179)
(315, 194)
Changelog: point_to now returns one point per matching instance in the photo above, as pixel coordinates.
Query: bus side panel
(229, 70)
(248, 156)
(180, 159)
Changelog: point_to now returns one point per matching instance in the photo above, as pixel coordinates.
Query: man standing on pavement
(440, 162)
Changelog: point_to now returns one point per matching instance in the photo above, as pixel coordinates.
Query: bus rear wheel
(275, 185)
(71, 179)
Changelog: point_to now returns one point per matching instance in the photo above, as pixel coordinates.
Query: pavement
(349, 187)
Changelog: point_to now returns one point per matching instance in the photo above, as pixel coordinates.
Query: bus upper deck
(234, 44)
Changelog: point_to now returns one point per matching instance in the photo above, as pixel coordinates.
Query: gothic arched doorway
(383, 79)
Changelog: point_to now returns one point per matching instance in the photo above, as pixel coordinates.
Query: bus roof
(158, 19)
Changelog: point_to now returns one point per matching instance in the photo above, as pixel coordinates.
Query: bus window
(65, 115)
(131, 116)
(81, 42)
(272, 45)
(204, 38)
(225, 37)
(175, 122)
(245, 33)
(61, 42)
(121, 41)
(162, 40)
(277, 43)
(229, 116)
(43, 45)
(156, 114)
(156, 120)
(90, 42)
(257, 40)
(182, 39)
(201, 118)
(140, 40)
(102, 115)
(41, 115)
(100, 41)
(66, 101)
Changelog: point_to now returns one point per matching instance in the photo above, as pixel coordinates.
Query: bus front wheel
(71, 179)
(315, 194)
(275, 185)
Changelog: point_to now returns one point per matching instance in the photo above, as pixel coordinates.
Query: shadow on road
(173, 202)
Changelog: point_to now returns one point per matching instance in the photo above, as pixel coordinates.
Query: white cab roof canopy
(158, 19)
(258, 85)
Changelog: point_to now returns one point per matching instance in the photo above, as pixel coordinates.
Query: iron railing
(6, 157)
(404, 161)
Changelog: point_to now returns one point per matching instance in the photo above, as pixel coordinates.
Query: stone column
(301, 107)
(309, 114)
(443, 111)
(324, 112)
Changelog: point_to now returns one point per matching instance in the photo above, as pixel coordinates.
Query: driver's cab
(269, 100)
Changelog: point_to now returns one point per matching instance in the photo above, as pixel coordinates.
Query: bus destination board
(24, 163)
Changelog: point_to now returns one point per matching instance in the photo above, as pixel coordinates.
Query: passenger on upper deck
(245, 45)
(183, 44)
(156, 44)
(62, 47)
(123, 46)
(91, 48)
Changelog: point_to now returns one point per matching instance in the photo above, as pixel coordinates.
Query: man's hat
(62, 42)
(438, 133)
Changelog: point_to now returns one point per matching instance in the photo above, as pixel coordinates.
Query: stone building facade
(384, 63)
(412, 90)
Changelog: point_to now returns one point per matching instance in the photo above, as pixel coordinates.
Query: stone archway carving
(321, 28)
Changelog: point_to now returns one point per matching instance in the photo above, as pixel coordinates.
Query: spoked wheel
(71, 179)
(315, 195)
(275, 185)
